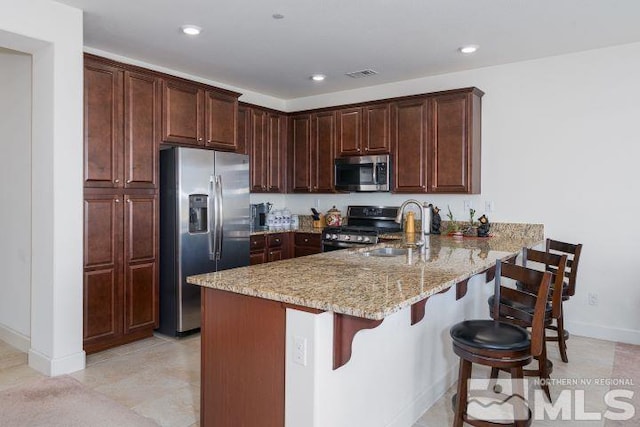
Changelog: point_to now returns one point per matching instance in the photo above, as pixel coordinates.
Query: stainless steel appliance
(364, 225)
(363, 173)
(204, 227)
(259, 213)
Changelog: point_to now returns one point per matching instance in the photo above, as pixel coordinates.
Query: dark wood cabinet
(269, 247)
(307, 244)
(103, 121)
(436, 143)
(350, 131)
(141, 130)
(182, 113)
(196, 116)
(267, 152)
(364, 130)
(141, 262)
(409, 140)
(221, 118)
(122, 119)
(244, 130)
(313, 139)
(455, 142)
(122, 109)
(120, 269)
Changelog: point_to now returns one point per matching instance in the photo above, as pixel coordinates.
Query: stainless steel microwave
(363, 173)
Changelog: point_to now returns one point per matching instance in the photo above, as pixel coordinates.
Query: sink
(388, 252)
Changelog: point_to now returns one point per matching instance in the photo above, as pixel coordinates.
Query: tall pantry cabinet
(122, 130)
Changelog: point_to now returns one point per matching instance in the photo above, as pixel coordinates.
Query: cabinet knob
(366, 148)
(128, 181)
(128, 200)
(199, 139)
(358, 149)
(116, 181)
(117, 200)
(306, 240)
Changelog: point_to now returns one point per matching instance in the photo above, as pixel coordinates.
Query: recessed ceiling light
(277, 16)
(191, 30)
(318, 77)
(468, 49)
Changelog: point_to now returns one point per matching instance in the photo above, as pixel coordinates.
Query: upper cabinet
(364, 130)
(436, 143)
(121, 127)
(193, 115)
(267, 141)
(313, 140)
(454, 138)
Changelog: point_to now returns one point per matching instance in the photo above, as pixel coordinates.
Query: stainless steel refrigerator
(204, 227)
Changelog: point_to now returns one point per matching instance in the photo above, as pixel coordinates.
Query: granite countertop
(350, 283)
(301, 229)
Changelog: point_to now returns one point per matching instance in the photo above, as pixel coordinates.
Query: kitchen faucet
(425, 215)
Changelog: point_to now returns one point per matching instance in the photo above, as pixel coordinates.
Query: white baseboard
(59, 366)
(426, 399)
(15, 338)
(628, 336)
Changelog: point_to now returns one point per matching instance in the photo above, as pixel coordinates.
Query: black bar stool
(573, 252)
(500, 344)
(510, 311)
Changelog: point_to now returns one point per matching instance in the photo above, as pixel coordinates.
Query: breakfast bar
(346, 337)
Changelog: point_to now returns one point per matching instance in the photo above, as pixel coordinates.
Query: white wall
(559, 147)
(15, 193)
(52, 33)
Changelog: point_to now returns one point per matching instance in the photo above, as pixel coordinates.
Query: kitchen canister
(334, 217)
(295, 222)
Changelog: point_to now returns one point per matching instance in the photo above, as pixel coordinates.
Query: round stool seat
(489, 334)
(519, 306)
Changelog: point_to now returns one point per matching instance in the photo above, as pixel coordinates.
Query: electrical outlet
(300, 350)
(593, 298)
(467, 205)
(489, 206)
(317, 204)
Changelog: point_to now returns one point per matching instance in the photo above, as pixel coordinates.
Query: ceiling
(242, 45)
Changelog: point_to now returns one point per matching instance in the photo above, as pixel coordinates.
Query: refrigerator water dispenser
(198, 213)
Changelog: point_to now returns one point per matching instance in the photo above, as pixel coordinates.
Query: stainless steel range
(364, 225)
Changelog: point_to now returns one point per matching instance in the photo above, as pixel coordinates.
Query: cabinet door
(102, 296)
(454, 169)
(275, 152)
(141, 130)
(350, 132)
(182, 113)
(140, 255)
(377, 129)
(301, 156)
(258, 159)
(244, 130)
(102, 125)
(409, 140)
(323, 127)
(221, 120)
(257, 257)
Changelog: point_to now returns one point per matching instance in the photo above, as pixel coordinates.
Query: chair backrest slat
(573, 252)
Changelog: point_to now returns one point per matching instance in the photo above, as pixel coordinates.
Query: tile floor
(160, 378)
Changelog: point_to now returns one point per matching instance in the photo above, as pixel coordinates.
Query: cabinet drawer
(275, 240)
(308, 239)
(256, 243)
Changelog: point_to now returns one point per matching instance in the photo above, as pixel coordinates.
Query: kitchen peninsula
(342, 338)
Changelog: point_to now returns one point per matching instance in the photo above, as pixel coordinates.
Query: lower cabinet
(307, 244)
(269, 248)
(120, 269)
(278, 246)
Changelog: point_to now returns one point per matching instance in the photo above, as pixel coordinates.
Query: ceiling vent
(362, 73)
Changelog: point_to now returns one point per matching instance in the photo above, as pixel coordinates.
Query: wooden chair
(568, 289)
(510, 311)
(500, 344)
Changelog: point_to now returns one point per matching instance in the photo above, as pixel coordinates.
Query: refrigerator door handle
(219, 217)
(212, 220)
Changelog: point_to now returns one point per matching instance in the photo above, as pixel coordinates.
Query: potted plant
(453, 229)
